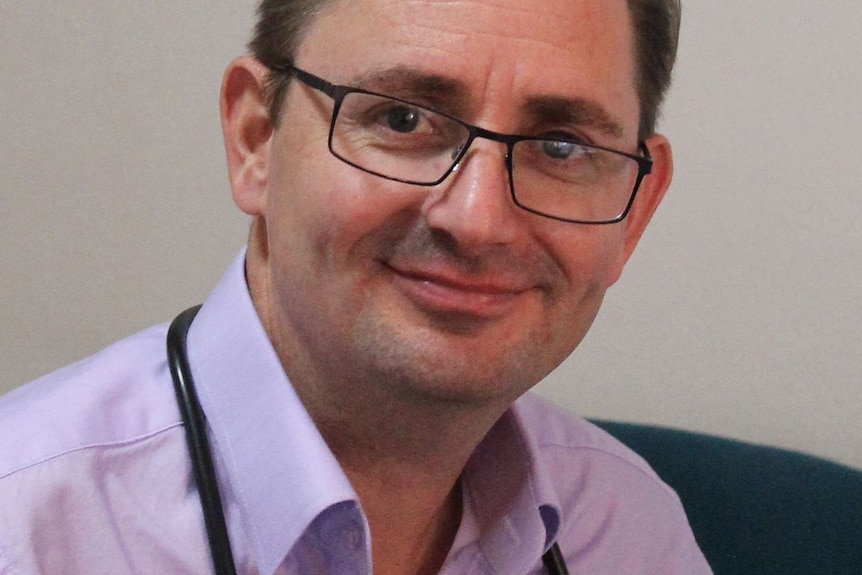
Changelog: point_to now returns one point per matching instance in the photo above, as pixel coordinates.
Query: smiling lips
(447, 292)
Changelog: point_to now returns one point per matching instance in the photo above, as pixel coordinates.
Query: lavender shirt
(95, 477)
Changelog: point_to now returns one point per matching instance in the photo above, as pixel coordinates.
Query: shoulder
(614, 509)
(115, 396)
(564, 437)
(91, 457)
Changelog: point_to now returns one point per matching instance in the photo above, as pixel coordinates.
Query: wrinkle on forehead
(503, 49)
(455, 25)
(501, 19)
(522, 20)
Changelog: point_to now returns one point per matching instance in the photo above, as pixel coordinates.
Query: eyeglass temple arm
(306, 78)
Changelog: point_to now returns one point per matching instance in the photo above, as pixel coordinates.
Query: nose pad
(456, 152)
(454, 155)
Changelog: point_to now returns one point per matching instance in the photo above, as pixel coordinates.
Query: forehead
(504, 52)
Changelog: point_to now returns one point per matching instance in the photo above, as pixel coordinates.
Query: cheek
(589, 259)
(328, 212)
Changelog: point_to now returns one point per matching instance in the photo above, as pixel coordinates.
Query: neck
(405, 464)
(404, 461)
(413, 520)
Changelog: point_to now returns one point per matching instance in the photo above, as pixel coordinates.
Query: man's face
(451, 291)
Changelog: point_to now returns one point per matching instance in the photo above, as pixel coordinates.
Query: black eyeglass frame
(338, 92)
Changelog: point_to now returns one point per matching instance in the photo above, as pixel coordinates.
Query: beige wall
(741, 314)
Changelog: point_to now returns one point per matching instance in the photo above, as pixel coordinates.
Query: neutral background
(740, 314)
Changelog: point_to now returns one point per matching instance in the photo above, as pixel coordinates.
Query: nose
(474, 205)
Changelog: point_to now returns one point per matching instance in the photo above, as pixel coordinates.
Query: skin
(410, 318)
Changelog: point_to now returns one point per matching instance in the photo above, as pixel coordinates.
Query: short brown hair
(282, 24)
(656, 35)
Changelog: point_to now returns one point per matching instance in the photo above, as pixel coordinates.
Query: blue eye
(559, 150)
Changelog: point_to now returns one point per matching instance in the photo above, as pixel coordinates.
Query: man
(412, 270)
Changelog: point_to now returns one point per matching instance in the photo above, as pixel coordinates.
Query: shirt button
(353, 536)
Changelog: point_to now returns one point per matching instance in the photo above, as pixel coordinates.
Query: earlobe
(650, 193)
(247, 132)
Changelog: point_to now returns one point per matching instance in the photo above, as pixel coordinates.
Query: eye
(560, 150)
(403, 119)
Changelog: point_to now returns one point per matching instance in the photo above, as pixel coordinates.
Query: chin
(454, 366)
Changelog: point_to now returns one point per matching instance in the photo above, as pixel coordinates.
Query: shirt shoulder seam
(641, 465)
(86, 447)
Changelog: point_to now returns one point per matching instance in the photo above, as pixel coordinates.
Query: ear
(247, 132)
(649, 196)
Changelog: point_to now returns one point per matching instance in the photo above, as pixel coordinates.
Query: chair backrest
(757, 510)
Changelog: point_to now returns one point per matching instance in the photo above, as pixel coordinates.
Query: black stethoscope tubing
(198, 443)
(200, 453)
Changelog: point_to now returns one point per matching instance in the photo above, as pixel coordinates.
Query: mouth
(444, 292)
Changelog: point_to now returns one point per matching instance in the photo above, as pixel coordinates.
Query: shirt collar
(276, 465)
(510, 496)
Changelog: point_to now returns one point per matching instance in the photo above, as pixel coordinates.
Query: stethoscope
(201, 455)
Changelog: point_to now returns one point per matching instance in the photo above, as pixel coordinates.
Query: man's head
(282, 24)
(448, 292)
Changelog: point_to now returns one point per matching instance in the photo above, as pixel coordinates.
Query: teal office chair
(757, 510)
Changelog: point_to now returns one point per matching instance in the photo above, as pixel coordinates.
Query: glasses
(559, 178)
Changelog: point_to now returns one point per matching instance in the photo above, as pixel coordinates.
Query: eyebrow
(580, 112)
(452, 96)
(412, 84)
